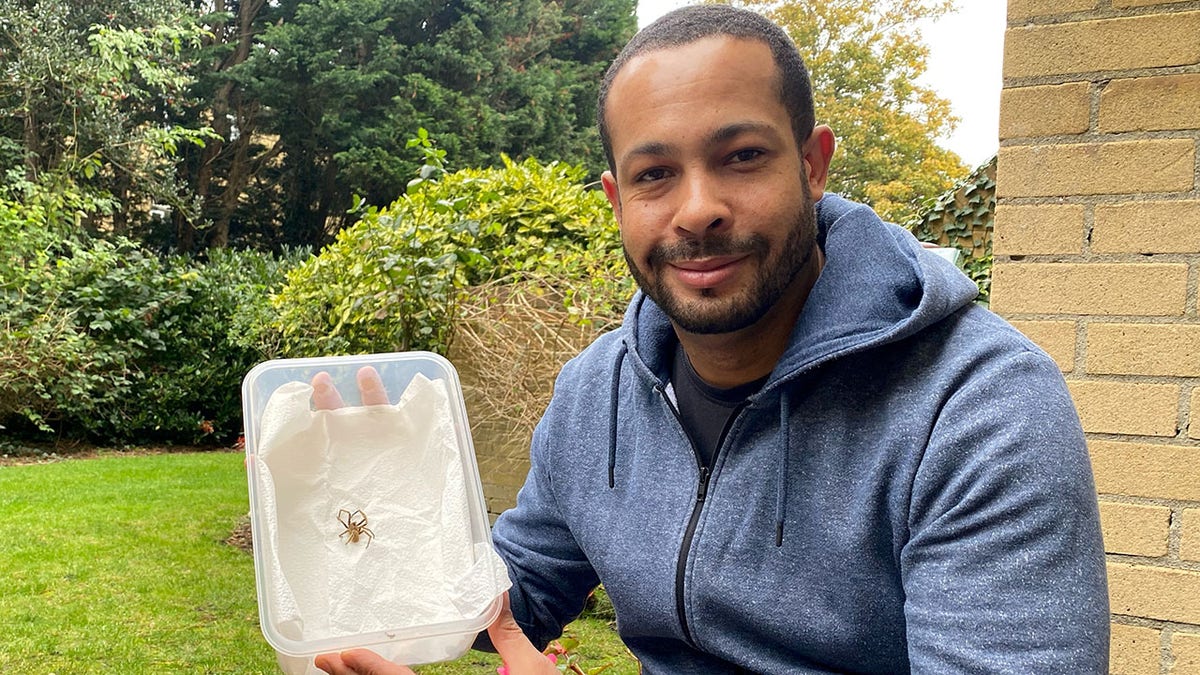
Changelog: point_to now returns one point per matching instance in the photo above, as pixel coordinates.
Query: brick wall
(1098, 260)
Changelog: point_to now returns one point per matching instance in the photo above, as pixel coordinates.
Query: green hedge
(394, 279)
(108, 341)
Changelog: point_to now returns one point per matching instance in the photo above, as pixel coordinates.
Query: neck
(727, 360)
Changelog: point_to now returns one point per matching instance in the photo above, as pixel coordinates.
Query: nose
(702, 207)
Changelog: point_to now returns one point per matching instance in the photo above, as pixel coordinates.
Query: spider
(355, 527)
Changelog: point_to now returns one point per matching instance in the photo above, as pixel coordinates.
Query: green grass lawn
(118, 564)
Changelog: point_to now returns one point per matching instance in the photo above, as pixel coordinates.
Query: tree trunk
(235, 121)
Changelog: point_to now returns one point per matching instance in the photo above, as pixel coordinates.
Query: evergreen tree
(342, 84)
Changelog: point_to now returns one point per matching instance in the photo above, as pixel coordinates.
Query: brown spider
(355, 527)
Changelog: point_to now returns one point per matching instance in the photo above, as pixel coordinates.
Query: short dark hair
(688, 24)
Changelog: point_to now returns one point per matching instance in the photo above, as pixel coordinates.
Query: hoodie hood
(912, 459)
(878, 285)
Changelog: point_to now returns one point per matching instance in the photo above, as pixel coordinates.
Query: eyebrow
(719, 135)
(731, 131)
(655, 148)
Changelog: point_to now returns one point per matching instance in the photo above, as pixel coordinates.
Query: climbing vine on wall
(962, 217)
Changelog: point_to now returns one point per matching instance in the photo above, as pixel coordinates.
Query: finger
(370, 387)
(325, 395)
(518, 652)
(367, 662)
(332, 664)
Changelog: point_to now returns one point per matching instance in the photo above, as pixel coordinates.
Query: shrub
(394, 280)
(191, 381)
(108, 340)
(512, 336)
(39, 347)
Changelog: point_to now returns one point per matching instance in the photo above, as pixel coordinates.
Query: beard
(709, 314)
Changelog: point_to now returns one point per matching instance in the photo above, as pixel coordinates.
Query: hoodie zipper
(701, 493)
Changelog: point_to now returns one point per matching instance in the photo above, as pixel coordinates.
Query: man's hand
(370, 388)
(519, 654)
(360, 662)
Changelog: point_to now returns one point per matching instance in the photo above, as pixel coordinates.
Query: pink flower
(502, 670)
(553, 659)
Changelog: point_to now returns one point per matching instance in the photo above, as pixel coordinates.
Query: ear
(609, 183)
(818, 152)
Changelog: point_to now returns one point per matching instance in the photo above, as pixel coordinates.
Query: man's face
(710, 191)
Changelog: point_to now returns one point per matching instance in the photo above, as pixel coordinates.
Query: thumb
(519, 654)
(359, 662)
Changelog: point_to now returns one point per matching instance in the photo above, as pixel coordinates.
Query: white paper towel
(402, 467)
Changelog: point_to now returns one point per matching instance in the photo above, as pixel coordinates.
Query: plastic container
(369, 522)
(949, 253)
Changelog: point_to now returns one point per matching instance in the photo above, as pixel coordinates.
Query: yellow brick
(1121, 4)
(1194, 415)
(1154, 592)
(1045, 111)
(1133, 408)
(1124, 167)
(1151, 104)
(1189, 546)
(1149, 289)
(1185, 652)
(1134, 650)
(1154, 41)
(1147, 227)
(1056, 337)
(1146, 470)
(1135, 529)
(1027, 9)
(1144, 349)
(1026, 230)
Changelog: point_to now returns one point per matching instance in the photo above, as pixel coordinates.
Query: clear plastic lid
(369, 521)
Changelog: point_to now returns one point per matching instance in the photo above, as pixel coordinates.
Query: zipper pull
(703, 489)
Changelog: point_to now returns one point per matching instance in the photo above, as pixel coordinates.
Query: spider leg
(370, 536)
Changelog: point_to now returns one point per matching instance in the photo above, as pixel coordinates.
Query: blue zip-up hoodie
(909, 491)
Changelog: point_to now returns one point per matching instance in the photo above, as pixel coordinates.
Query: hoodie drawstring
(614, 394)
(785, 416)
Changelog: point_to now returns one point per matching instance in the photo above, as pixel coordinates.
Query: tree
(84, 106)
(220, 173)
(864, 57)
(256, 121)
(339, 86)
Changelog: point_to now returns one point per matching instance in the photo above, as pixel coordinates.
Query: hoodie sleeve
(1003, 570)
(550, 574)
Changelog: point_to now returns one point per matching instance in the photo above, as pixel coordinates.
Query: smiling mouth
(705, 264)
(706, 272)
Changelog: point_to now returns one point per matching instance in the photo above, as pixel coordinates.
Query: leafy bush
(38, 344)
(393, 281)
(108, 340)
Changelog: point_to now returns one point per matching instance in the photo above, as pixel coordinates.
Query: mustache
(711, 246)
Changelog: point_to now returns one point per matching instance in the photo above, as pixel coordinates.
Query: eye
(651, 175)
(746, 155)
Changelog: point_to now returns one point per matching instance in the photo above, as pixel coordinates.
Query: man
(806, 450)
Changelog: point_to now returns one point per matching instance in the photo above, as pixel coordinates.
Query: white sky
(965, 58)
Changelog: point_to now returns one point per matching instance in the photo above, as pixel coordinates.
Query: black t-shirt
(705, 410)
